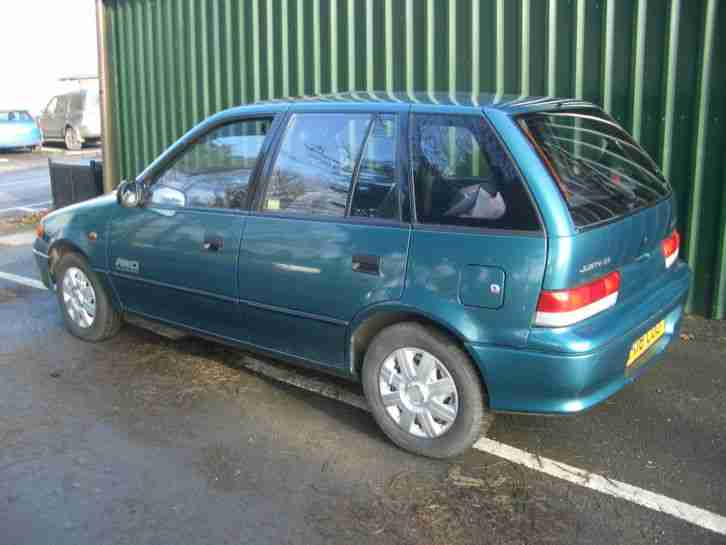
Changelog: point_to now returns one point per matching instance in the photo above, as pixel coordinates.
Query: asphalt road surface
(24, 179)
(146, 440)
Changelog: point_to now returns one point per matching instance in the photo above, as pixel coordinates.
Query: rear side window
(600, 170)
(336, 165)
(463, 176)
(62, 105)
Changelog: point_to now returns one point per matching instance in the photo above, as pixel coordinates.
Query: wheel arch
(370, 322)
(58, 249)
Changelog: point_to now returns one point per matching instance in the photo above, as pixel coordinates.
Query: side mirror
(130, 194)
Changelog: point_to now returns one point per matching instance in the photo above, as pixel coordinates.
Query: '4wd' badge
(127, 266)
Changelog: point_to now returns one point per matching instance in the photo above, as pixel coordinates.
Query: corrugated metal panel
(654, 64)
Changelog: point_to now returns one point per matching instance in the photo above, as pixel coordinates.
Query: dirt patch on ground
(495, 507)
(24, 222)
(156, 373)
(696, 328)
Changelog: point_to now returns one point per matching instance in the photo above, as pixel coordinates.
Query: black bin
(75, 182)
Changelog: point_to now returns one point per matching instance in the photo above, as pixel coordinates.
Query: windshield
(600, 170)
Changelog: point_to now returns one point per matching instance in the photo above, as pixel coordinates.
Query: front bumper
(579, 371)
(42, 261)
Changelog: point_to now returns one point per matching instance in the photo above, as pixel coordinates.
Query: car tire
(72, 139)
(84, 302)
(428, 434)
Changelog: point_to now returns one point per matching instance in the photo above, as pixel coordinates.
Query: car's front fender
(83, 228)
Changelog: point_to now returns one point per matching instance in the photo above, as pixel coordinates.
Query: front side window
(463, 176)
(215, 171)
(336, 165)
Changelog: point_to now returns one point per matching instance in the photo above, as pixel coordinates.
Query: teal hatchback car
(459, 256)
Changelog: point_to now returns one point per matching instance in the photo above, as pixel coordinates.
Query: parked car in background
(73, 118)
(458, 257)
(18, 129)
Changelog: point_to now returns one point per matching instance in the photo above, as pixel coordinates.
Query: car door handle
(367, 264)
(212, 244)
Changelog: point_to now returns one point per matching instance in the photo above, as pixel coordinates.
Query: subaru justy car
(459, 256)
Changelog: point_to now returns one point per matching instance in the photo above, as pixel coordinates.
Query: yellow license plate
(646, 341)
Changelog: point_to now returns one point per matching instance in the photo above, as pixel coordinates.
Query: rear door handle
(212, 243)
(367, 264)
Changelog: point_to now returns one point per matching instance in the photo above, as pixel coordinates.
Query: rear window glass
(600, 170)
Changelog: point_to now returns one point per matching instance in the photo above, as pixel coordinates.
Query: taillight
(670, 246)
(558, 308)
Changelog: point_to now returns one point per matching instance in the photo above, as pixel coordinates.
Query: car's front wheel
(424, 391)
(86, 306)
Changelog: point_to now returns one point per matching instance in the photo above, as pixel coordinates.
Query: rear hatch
(621, 207)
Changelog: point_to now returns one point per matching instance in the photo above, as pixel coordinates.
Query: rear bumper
(581, 366)
(89, 132)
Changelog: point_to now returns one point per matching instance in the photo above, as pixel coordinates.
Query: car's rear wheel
(424, 391)
(72, 139)
(86, 307)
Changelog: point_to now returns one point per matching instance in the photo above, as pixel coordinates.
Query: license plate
(646, 341)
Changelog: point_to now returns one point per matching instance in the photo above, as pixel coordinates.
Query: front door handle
(367, 264)
(212, 243)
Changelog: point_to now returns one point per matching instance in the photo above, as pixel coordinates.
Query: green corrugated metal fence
(656, 65)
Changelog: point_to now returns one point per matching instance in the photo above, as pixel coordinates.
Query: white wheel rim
(79, 297)
(418, 392)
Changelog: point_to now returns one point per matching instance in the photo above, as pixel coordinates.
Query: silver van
(73, 118)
